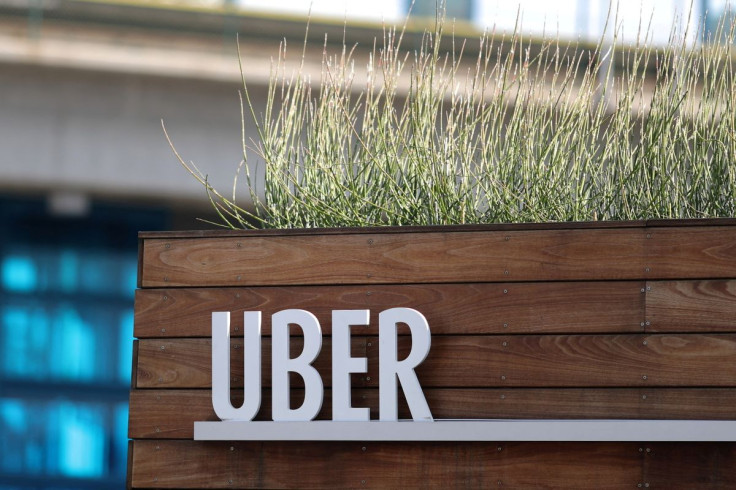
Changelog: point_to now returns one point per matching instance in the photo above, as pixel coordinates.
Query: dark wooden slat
(187, 363)
(139, 277)
(567, 225)
(570, 225)
(158, 414)
(564, 307)
(691, 306)
(707, 252)
(134, 366)
(574, 361)
(490, 361)
(678, 223)
(691, 465)
(190, 464)
(497, 256)
(129, 467)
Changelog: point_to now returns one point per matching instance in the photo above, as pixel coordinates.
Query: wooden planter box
(619, 320)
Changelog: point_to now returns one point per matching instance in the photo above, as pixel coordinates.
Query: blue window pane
(73, 350)
(129, 281)
(25, 334)
(68, 271)
(19, 273)
(121, 438)
(13, 424)
(56, 438)
(82, 441)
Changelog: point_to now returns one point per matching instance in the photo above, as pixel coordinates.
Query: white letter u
(221, 366)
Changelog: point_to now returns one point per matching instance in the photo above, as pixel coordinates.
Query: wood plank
(187, 363)
(566, 225)
(557, 225)
(134, 366)
(190, 464)
(629, 360)
(691, 306)
(573, 361)
(129, 467)
(676, 223)
(706, 252)
(157, 414)
(691, 465)
(380, 258)
(481, 308)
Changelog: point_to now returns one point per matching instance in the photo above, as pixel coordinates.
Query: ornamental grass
(526, 131)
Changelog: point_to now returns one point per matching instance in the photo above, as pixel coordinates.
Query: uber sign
(390, 368)
(352, 423)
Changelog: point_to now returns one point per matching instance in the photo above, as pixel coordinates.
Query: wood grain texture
(574, 361)
(158, 414)
(706, 252)
(381, 258)
(189, 464)
(566, 225)
(129, 467)
(488, 361)
(187, 363)
(691, 306)
(481, 308)
(691, 465)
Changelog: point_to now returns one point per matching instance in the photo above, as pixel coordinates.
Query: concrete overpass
(84, 87)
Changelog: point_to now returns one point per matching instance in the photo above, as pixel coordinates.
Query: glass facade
(66, 330)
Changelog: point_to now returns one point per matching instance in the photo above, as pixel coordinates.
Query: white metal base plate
(470, 430)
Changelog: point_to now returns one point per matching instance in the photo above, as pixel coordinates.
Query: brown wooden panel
(557, 307)
(694, 252)
(573, 360)
(158, 414)
(367, 230)
(187, 363)
(691, 465)
(189, 464)
(489, 361)
(134, 366)
(689, 306)
(433, 257)
(129, 467)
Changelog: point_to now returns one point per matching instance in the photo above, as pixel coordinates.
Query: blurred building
(85, 165)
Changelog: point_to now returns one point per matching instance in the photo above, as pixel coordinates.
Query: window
(66, 330)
